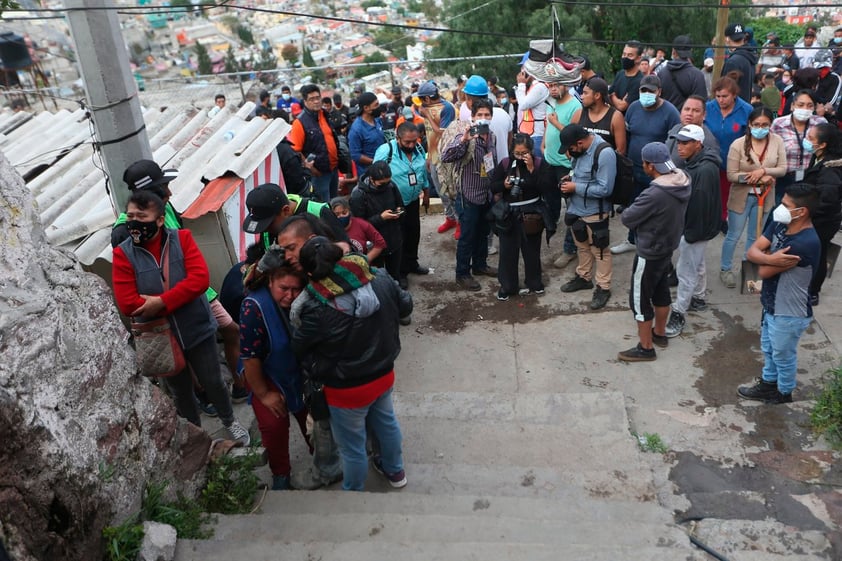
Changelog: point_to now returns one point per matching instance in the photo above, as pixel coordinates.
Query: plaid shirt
(796, 157)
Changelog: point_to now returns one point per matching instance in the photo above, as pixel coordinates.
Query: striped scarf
(349, 273)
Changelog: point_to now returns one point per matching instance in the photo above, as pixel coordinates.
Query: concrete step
(268, 550)
(556, 431)
(632, 481)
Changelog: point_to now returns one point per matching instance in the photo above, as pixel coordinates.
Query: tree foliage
(307, 60)
(245, 35)
(597, 31)
(289, 53)
(266, 60)
(370, 69)
(203, 59)
(393, 39)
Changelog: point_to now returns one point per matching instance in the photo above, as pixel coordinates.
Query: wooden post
(719, 51)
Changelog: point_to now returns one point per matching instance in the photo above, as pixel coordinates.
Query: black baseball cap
(263, 203)
(146, 174)
(571, 134)
(735, 31)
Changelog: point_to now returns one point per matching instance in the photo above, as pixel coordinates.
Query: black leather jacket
(344, 351)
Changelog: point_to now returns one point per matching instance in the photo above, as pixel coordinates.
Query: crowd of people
(320, 295)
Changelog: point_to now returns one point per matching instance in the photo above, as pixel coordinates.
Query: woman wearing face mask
(754, 161)
(378, 200)
(518, 181)
(360, 231)
(825, 172)
(160, 272)
(793, 129)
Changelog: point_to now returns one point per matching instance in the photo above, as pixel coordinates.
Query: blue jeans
(326, 186)
(779, 337)
(737, 222)
(349, 430)
(472, 247)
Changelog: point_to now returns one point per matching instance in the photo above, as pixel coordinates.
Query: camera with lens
(517, 185)
(479, 129)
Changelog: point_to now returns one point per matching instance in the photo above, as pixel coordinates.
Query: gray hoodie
(657, 215)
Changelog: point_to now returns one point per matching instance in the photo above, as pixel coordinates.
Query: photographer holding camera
(520, 215)
(587, 187)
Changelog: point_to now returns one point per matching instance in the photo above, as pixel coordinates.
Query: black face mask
(142, 231)
(376, 112)
(406, 150)
(628, 63)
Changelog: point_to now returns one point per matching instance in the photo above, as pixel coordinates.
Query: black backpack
(623, 180)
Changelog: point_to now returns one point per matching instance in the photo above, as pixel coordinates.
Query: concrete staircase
(492, 476)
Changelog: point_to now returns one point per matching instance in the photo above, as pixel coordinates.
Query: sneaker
(239, 433)
(600, 298)
(624, 247)
(728, 279)
(637, 354)
(207, 408)
(660, 340)
(492, 250)
(468, 283)
(280, 483)
(529, 292)
(406, 320)
(502, 296)
(396, 480)
(420, 270)
(760, 391)
(487, 272)
(576, 283)
(779, 398)
(675, 324)
(448, 224)
(458, 232)
(564, 260)
(238, 394)
(697, 305)
(309, 480)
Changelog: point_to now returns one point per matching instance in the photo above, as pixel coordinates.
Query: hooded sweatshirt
(657, 215)
(679, 80)
(744, 61)
(701, 221)
(369, 202)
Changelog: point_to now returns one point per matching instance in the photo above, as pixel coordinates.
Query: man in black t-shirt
(626, 86)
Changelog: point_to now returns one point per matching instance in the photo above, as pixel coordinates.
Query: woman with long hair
(349, 338)
(755, 160)
(825, 172)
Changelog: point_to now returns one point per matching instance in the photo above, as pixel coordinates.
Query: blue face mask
(648, 99)
(807, 145)
(837, 40)
(344, 220)
(759, 132)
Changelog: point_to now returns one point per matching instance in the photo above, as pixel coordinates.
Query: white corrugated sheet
(70, 191)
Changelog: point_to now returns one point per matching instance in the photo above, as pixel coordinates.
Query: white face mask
(802, 114)
(781, 214)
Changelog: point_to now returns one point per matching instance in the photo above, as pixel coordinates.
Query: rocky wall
(80, 431)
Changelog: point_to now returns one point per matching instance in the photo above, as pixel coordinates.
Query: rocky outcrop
(81, 431)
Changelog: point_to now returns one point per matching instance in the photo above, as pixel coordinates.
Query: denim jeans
(737, 222)
(779, 337)
(472, 247)
(326, 186)
(349, 430)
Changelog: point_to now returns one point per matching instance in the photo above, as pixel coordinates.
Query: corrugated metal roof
(70, 192)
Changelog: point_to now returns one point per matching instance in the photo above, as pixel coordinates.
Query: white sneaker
(624, 247)
(239, 433)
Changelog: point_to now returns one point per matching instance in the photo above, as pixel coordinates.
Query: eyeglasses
(520, 154)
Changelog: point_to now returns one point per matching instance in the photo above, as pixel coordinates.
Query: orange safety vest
(527, 123)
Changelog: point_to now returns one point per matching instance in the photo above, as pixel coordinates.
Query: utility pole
(110, 89)
(719, 51)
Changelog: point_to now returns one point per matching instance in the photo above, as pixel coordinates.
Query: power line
(674, 6)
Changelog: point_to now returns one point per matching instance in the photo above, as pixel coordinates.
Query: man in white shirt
(532, 108)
